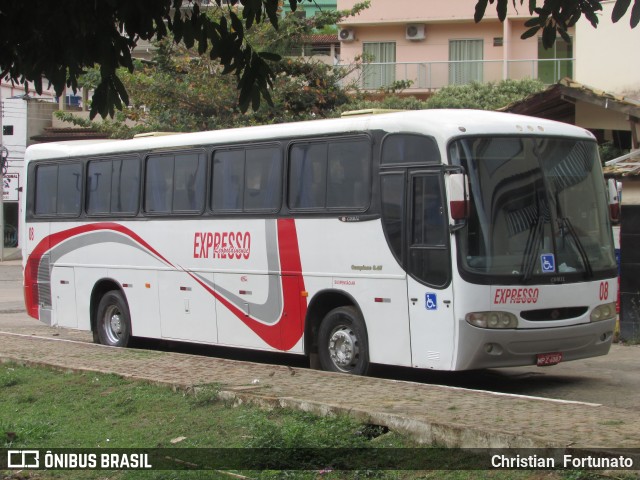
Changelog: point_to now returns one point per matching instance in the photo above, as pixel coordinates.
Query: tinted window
(348, 174)
(99, 187)
(247, 179)
(402, 148)
(46, 189)
(125, 186)
(308, 175)
(393, 210)
(69, 189)
(228, 180)
(58, 189)
(188, 183)
(332, 174)
(429, 221)
(428, 255)
(113, 186)
(175, 184)
(263, 179)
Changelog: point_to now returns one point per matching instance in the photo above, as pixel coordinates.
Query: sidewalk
(430, 413)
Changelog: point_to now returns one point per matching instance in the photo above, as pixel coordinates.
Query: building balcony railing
(435, 75)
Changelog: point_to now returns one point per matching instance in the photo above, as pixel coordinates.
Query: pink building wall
(444, 20)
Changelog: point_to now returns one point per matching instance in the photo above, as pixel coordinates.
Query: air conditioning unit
(347, 35)
(415, 32)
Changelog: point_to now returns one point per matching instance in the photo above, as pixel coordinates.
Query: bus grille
(550, 314)
(44, 282)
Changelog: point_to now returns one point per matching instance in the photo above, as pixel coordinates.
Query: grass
(43, 408)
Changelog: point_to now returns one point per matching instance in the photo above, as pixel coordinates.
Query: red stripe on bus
(287, 331)
(282, 335)
(48, 243)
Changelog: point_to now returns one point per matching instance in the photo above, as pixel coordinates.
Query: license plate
(545, 359)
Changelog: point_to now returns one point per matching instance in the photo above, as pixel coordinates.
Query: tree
(481, 96)
(60, 40)
(183, 91)
(555, 17)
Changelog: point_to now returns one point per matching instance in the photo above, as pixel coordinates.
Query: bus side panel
(384, 306)
(86, 280)
(63, 294)
(260, 311)
(186, 311)
(357, 257)
(140, 288)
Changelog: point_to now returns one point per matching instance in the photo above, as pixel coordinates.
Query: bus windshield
(538, 210)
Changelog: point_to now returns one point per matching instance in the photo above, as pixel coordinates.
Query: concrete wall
(607, 56)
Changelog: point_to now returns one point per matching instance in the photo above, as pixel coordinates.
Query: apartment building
(436, 43)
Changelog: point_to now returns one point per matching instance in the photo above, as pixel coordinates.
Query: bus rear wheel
(113, 322)
(342, 342)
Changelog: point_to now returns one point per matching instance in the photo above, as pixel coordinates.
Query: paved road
(452, 416)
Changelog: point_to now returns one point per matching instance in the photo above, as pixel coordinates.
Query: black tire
(342, 342)
(113, 321)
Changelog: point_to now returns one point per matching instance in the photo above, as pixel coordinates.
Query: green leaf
(530, 33)
(548, 36)
(272, 57)
(635, 14)
(619, 9)
(502, 9)
(481, 8)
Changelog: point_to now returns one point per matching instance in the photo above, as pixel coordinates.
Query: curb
(440, 434)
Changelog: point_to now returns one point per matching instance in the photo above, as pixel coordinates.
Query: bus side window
(228, 180)
(263, 179)
(159, 184)
(188, 183)
(46, 189)
(59, 189)
(330, 175)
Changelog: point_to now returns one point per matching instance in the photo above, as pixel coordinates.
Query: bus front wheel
(113, 322)
(342, 342)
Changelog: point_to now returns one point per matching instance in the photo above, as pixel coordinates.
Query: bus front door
(428, 265)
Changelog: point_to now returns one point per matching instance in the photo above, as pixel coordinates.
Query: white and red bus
(447, 240)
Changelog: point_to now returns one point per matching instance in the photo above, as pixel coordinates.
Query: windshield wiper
(564, 221)
(531, 248)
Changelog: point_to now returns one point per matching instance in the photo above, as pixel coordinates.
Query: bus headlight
(492, 319)
(606, 311)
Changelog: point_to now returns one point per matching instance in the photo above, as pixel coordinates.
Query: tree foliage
(58, 41)
(181, 90)
(555, 17)
(480, 96)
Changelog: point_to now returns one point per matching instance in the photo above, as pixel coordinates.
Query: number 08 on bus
(447, 240)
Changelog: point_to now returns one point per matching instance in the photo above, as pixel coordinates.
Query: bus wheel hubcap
(113, 324)
(343, 347)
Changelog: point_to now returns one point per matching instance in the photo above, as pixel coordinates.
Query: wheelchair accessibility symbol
(548, 262)
(431, 301)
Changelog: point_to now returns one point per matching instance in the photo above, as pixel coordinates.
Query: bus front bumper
(492, 348)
